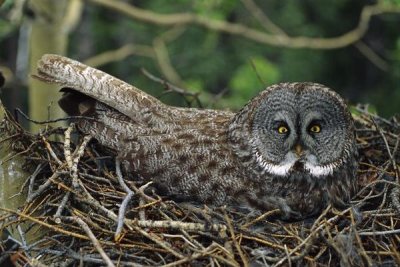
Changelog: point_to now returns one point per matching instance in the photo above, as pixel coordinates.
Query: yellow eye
(315, 128)
(282, 129)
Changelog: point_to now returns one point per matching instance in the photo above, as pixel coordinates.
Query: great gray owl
(291, 147)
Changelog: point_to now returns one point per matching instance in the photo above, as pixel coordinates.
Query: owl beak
(298, 149)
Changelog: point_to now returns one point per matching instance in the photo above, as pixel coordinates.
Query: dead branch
(120, 54)
(281, 40)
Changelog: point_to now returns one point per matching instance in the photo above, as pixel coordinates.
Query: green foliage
(214, 9)
(195, 85)
(391, 2)
(386, 95)
(302, 65)
(369, 108)
(250, 78)
(7, 4)
(210, 62)
(5, 28)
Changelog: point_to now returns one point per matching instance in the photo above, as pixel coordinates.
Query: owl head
(295, 127)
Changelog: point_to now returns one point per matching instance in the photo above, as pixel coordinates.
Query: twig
(376, 233)
(89, 199)
(140, 191)
(344, 259)
(172, 88)
(395, 193)
(190, 258)
(371, 55)
(159, 241)
(93, 238)
(18, 111)
(262, 18)
(40, 222)
(163, 58)
(142, 201)
(288, 256)
(42, 187)
(261, 217)
(22, 236)
(313, 232)
(31, 180)
(125, 202)
(62, 204)
(180, 225)
(67, 145)
(120, 54)
(358, 239)
(51, 151)
(235, 242)
(78, 153)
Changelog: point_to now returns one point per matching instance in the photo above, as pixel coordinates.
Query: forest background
(223, 51)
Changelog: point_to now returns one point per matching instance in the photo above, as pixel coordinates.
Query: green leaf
(6, 28)
(214, 9)
(391, 2)
(195, 85)
(252, 77)
(370, 109)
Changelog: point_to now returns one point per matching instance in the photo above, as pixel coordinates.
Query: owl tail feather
(95, 84)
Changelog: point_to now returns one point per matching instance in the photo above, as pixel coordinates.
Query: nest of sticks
(90, 214)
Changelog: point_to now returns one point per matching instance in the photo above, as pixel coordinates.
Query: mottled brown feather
(196, 154)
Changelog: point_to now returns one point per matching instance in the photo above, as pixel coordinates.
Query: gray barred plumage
(291, 147)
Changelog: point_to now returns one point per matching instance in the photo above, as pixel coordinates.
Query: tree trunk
(52, 22)
(12, 177)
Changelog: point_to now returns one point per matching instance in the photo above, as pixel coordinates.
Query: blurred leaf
(253, 76)
(214, 9)
(248, 80)
(194, 85)
(5, 28)
(354, 111)
(396, 51)
(369, 108)
(6, 4)
(391, 2)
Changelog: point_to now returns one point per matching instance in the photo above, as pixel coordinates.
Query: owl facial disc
(299, 128)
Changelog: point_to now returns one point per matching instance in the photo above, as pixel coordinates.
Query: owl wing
(95, 84)
(192, 163)
(84, 87)
(189, 162)
(183, 149)
(117, 106)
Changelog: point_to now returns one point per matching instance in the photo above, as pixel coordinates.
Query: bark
(12, 177)
(52, 23)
